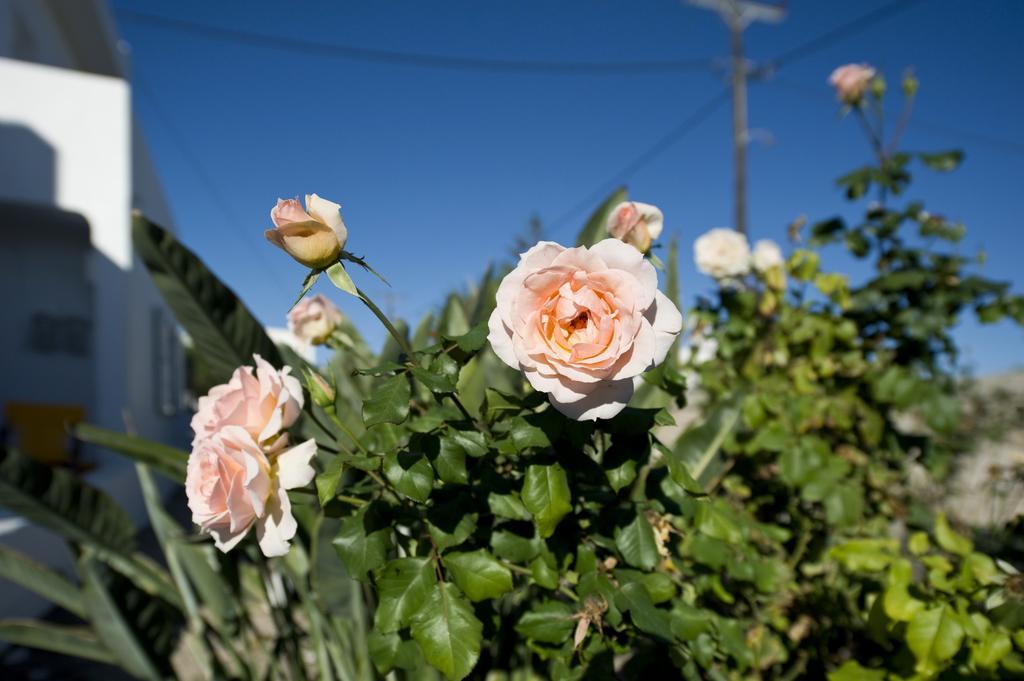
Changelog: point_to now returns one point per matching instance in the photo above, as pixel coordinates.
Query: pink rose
(313, 319)
(851, 81)
(582, 324)
(232, 484)
(263, 404)
(314, 237)
(636, 223)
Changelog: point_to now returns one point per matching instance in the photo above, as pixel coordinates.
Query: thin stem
(901, 125)
(402, 342)
(350, 500)
(349, 433)
(876, 142)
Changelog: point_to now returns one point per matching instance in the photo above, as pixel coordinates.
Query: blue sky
(438, 170)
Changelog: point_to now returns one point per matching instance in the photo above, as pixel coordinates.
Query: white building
(84, 327)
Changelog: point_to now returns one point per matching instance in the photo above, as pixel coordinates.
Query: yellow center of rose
(578, 320)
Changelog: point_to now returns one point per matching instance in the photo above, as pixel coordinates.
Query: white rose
(767, 255)
(722, 253)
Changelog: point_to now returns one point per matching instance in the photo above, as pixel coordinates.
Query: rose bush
(529, 507)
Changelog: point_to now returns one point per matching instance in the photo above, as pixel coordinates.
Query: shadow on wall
(28, 169)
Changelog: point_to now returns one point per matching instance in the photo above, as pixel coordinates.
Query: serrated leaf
(390, 402)
(403, 586)
(636, 543)
(451, 462)
(434, 382)
(363, 541)
(409, 473)
(327, 482)
(478, 574)
(448, 632)
(546, 496)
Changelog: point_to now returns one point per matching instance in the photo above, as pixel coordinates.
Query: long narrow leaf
(74, 641)
(168, 461)
(107, 619)
(41, 580)
(596, 227)
(225, 332)
(59, 501)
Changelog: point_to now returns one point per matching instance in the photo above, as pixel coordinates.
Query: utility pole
(737, 15)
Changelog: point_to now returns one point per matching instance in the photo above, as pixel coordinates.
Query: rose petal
(604, 402)
(293, 469)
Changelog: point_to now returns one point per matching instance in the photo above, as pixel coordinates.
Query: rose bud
(851, 81)
(638, 224)
(320, 390)
(314, 319)
(314, 236)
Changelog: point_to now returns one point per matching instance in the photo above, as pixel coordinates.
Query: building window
(167, 384)
(54, 334)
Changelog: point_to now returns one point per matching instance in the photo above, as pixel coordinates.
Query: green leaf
(596, 227)
(897, 602)
(434, 382)
(448, 632)
(453, 322)
(546, 496)
(479, 574)
(948, 539)
(507, 506)
(74, 641)
(547, 622)
(451, 462)
(409, 473)
(390, 402)
(57, 500)
(110, 622)
(403, 586)
(943, 161)
(470, 342)
(225, 332)
(991, 649)
(934, 636)
(514, 547)
(636, 543)
(327, 482)
(40, 579)
(340, 278)
(363, 541)
(852, 671)
(694, 456)
(168, 461)
(450, 523)
(646, 616)
(865, 555)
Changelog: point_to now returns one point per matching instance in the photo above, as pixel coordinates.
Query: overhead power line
(181, 142)
(688, 125)
(850, 28)
(420, 60)
(801, 51)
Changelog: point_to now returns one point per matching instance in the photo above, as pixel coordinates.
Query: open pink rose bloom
(241, 467)
(583, 324)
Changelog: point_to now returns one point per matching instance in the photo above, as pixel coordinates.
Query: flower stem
(402, 342)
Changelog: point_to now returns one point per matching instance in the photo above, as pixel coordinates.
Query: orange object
(41, 430)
